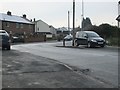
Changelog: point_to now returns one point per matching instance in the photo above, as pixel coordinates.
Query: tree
(86, 23)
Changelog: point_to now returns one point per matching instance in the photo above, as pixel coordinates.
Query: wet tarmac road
(79, 67)
(25, 70)
(99, 63)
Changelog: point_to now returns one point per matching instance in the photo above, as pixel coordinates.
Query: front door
(84, 39)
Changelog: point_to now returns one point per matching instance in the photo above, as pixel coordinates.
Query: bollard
(63, 42)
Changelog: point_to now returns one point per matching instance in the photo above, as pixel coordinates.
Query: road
(98, 63)
(27, 71)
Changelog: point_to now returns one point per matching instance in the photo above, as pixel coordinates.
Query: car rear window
(4, 33)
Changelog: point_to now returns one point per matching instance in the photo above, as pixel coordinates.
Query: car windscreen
(93, 35)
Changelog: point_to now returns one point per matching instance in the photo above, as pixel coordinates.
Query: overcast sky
(54, 12)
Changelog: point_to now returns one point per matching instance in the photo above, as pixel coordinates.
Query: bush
(108, 32)
(113, 41)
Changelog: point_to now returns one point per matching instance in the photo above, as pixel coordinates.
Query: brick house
(16, 24)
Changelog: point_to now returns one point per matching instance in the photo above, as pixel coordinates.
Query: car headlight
(93, 40)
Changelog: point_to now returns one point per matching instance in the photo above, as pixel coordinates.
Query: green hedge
(110, 33)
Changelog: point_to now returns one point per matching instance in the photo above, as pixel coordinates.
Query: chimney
(9, 13)
(24, 15)
(34, 19)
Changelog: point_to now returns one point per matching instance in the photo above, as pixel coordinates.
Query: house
(64, 31)
(53, 30)
(43, 28)
(16, 24)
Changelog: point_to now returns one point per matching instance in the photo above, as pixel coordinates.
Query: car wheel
(89, 45)
(102, 46)
(76, 44)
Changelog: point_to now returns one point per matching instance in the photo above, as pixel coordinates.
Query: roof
(14, 18)
(41, 21)
(63, 29)
(87, 31)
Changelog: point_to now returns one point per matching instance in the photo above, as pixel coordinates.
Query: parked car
(5, 40)
(89, 38)
(68, 37)
(17, 38)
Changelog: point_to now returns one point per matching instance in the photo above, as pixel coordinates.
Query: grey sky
(54, 12)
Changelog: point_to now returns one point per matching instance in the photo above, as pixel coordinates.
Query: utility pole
(118, 14)
(82, 15)
(119, 8)
(68, 21)
(73, 42)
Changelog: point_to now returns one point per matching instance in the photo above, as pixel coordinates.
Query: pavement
(25, 70)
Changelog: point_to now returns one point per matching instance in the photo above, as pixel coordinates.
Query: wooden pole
(73, 42)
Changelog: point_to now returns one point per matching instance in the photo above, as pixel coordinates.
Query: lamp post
(73, 42)
(68, 20)
(82, 15)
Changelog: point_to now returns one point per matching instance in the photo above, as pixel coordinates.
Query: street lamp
(68, 20)
(82, 15)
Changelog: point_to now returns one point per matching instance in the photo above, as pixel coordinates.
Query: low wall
(34, 38)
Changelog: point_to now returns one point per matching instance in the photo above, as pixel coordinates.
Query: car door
(79, 38)
(84, 39)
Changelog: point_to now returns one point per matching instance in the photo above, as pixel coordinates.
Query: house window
(38, 29)
(29, 26)
(17, 25)
(21, 25)
(7, 24)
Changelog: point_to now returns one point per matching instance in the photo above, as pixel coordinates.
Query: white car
(68, 37)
